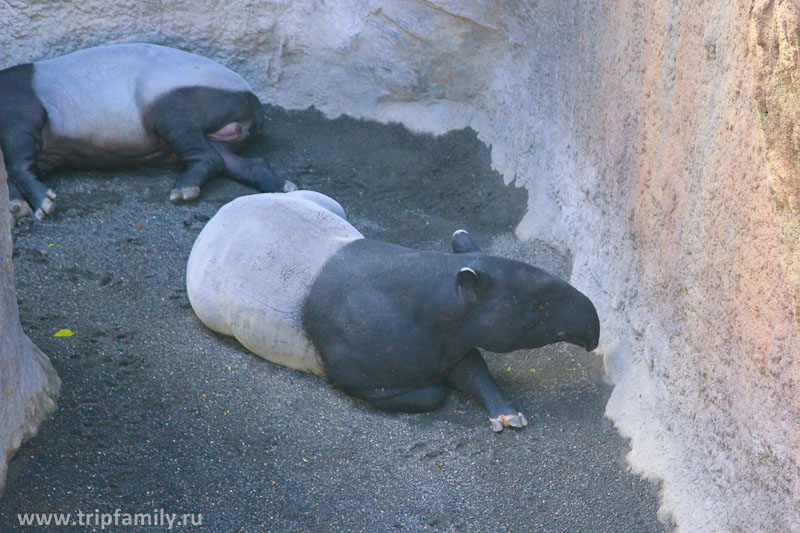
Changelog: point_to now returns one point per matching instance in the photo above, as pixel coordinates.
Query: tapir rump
(294, 282)
(126, 105)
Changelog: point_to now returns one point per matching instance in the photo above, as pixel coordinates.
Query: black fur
(184, 117)
(395, 325)
(22, 118)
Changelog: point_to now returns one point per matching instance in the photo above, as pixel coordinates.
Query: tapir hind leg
(472, 376)
(253, 172)
(201, 163)
(202, 125)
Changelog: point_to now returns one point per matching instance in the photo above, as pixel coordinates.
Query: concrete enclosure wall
(657, 143)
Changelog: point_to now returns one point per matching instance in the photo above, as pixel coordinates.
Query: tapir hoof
(504, 421)
(185, 194)
(48, 205)
(20, 209)
(289, 186)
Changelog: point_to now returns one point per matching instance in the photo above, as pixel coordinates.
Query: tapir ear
(468, 278)
(463, 243)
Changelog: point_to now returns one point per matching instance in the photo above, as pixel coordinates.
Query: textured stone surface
(657, 143)
(28, 384)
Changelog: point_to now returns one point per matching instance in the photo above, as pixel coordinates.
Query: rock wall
(707, 385)
(28, 384)
(657, 144)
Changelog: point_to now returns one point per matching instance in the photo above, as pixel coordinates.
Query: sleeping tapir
(127, 104)
(295, 283)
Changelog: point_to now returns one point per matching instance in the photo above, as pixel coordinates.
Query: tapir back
(252, 266)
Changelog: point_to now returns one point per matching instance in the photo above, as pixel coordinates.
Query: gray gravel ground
(159, 413)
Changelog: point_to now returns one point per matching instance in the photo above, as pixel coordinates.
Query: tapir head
(511, 305)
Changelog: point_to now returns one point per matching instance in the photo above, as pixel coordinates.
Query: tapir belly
(115, 151)
(252, 266)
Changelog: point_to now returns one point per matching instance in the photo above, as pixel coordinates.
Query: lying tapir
(127, 104)
(295, 283)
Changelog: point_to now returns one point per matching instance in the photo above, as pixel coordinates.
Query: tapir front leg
(17, 204)
(20, 148)
(471, 375)
(22, 118)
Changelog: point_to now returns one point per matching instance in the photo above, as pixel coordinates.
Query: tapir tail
(257, 109)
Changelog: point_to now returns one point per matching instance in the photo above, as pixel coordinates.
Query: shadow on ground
(157, 412)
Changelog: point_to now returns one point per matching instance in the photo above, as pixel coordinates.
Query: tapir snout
(568, 316)
(580, 323)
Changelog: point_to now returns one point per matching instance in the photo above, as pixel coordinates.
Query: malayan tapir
(294, 282)
(121, 105)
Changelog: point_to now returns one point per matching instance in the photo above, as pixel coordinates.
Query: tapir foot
(503, 421)
(20, 209)
(184, 194)
(47, 206)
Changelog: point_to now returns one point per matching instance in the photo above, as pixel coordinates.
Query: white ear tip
(456, 232)
(468, 269)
